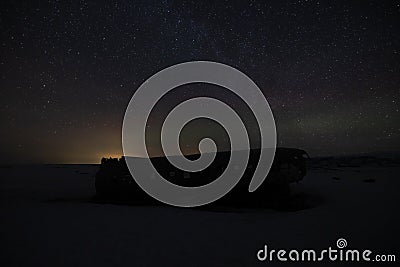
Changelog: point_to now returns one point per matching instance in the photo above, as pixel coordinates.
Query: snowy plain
(48, 218)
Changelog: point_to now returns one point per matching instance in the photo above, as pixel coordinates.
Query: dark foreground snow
(48, 218)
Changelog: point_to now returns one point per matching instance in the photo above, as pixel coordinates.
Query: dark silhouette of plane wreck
(114, 182)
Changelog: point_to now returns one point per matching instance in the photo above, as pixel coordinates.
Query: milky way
(330, 70)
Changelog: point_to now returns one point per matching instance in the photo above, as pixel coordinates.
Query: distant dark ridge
(196, 155)
(376, 154)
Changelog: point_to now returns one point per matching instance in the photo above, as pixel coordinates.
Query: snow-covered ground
(48, 218)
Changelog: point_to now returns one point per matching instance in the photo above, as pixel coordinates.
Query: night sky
(330, 70)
